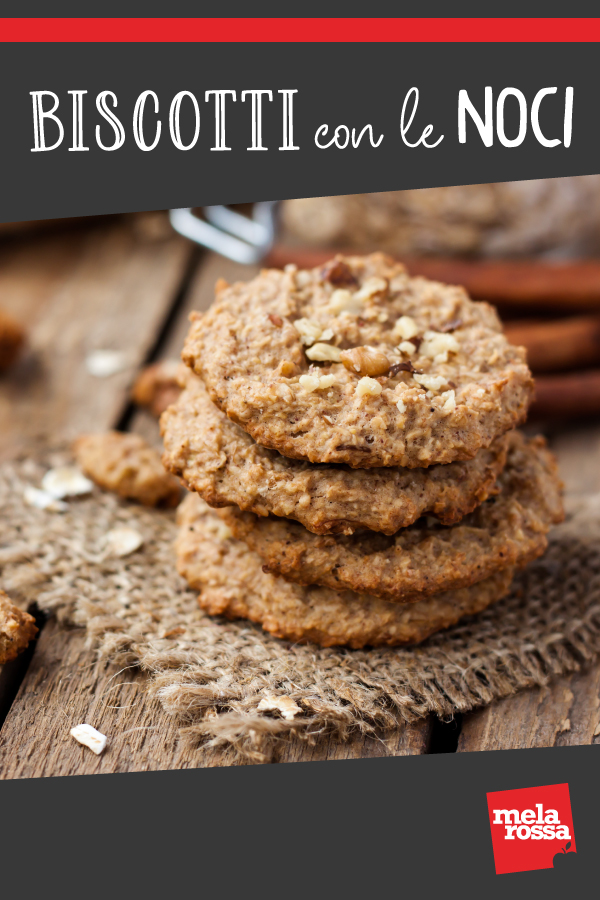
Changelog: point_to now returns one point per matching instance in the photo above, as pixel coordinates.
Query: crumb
(17, 628)
(89, 737)
(127, 465)
(285, 705)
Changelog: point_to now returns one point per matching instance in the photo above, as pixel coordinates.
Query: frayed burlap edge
(212, 674)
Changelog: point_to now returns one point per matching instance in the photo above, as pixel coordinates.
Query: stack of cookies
(347, 436)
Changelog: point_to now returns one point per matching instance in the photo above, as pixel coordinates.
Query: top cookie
(358, 363)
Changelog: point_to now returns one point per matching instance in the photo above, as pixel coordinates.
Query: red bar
(299, 30)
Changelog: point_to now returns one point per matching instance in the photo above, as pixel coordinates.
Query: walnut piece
(405, 328)
(127, 465)
(365, 361)
(342, 301)
(437, 346)
(368, 387)
(431, 382)
(324, 353)
(312, 383)
(309, 331)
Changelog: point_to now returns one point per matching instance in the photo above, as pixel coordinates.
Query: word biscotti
(354, 430)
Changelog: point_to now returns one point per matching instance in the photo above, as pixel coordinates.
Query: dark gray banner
(529, 111)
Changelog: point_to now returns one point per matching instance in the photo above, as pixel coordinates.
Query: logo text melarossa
(537, 825)
(506, 117)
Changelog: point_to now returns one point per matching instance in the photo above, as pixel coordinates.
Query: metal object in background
(242, 239)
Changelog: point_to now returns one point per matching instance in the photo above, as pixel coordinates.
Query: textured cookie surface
(223, 464)
(232, 583)
(17, 629)
(357, 363)
(127, 465)
(507, 530)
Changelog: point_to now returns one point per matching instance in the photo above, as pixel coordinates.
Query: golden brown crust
(231, 583)
(508, 530)
(17, 629)
(127, 465)
(12, 338)
(221, 462)
(260, 350)
(158, 386)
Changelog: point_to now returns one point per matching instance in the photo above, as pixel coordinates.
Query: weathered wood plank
(112, 291)
(567, 711)
(65, 686)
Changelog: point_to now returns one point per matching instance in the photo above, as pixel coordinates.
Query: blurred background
(93, 312)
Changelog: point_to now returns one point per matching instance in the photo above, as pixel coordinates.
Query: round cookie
(358, 363)
(222, 463)
(425, 558)
(232, 584)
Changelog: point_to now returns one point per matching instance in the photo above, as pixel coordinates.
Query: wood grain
(563, 714)
(568, 710)
(112, 290)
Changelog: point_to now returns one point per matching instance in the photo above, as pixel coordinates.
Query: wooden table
(128, 284)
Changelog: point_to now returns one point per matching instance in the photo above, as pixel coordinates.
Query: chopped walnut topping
(368, 387)
(431, 382)
(365, 361)
(405, 328)
(401, 406)
(452, 325)
(402, 367)
(339, 273)
(309, 330)
(323, 353)
(371, 288)
(449, 398)
(312, 383)
(407, 347)
(303, 278)
(343, 301)
(437, 346)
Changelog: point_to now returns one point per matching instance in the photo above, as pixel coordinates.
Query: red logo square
(532, 828)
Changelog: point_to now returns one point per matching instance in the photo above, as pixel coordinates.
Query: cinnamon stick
(567, 396)
(12, 338)
(510, 284)
(558, 345)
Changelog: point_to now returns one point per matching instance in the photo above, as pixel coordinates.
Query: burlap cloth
(212, 674)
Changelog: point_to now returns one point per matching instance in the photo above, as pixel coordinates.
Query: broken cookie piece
(17, 628)
(158, 386)
(12, 338)
(127, 465)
